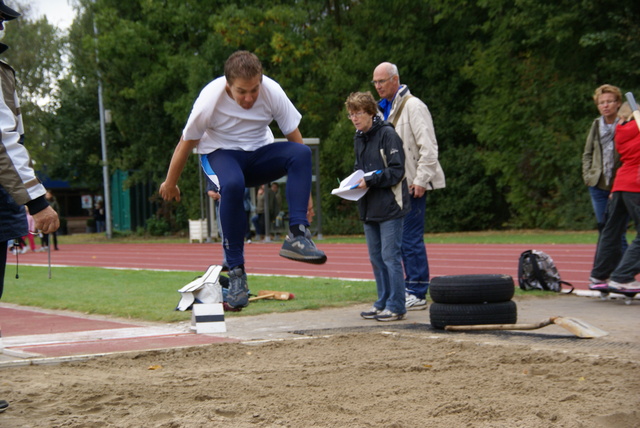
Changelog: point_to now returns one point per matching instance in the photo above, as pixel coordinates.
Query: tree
(36, 49)
(508, 83)
(534, 73)
(440, 38)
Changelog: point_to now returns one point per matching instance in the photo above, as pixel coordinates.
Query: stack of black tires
(472, 300)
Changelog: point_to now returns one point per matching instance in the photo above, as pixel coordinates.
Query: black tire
(483, 288)
(443, 314)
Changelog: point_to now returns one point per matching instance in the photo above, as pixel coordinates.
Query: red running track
(349, 261)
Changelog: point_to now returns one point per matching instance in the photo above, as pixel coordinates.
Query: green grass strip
(152, 295)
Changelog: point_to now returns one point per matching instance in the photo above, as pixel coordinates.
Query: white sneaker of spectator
(413, 303)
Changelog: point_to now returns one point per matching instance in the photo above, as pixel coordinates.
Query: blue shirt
(385, 105)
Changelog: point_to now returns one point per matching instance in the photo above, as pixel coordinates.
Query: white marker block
(208, 318)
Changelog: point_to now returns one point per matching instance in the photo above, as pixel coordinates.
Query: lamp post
(103, 142)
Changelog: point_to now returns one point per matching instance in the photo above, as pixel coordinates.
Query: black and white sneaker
(302, 249)
(597, 281)
(387, 315)
(371, 313)
(3, 405)
(238, 295)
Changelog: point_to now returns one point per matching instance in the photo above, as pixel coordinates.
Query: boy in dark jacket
(379, 154)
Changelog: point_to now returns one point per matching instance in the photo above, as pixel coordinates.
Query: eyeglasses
(354, 115)
(380, 82)
(605, 102)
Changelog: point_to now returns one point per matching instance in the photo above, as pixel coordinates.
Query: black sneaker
(302, 249)
(371, 313)
(3, 405)
(238, 295)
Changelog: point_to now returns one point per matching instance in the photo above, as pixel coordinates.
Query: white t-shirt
(220, 123)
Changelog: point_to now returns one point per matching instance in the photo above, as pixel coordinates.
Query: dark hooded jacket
(380, 150)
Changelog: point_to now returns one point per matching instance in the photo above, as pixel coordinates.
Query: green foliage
(122, 234)
(158, 226)
(470, 200)
(534, 73)
(76, 142)
(337, 160)
(508, 83)
(35, 51)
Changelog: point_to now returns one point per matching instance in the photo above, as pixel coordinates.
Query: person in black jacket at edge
(19, 185)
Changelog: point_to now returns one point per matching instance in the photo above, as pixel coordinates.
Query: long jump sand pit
(368, 379)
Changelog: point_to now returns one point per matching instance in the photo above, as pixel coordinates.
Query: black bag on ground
(537, 271)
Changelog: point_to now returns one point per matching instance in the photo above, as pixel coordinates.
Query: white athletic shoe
(413, 303)
(633, 285)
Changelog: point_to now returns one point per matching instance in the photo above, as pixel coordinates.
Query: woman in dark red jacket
(625, 200)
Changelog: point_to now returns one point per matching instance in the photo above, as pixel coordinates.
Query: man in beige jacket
(413, 123)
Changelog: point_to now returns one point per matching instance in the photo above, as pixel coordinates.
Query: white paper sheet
(347, 190)
(204, 289)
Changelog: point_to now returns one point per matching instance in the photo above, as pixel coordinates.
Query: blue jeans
(384, 242)
(258, 223)
(610, 262)
(414, 253)
(237, 169)
(600, 200)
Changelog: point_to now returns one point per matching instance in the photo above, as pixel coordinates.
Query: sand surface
(370, 379)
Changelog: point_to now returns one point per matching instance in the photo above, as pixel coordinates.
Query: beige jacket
(16, 170)
(415, 127)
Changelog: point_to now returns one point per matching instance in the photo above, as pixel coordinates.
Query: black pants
(609, 262)
(45, 239)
